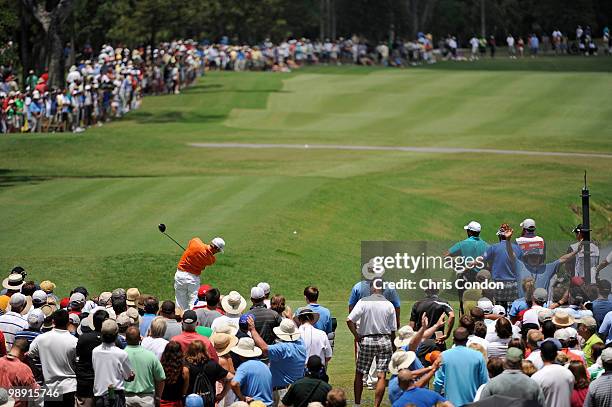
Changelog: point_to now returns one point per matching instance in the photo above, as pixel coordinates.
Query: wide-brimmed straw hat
(233, 303)
(563, 319)
(246, 347)
(401, 359)
(13, 282)
(223, 343)
(229, 329)
(403, 336)
(287, 331)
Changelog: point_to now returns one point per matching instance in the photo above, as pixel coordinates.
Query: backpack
(203, 388)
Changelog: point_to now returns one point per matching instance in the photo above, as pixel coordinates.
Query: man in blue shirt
(253, 380)
(502, 268)
(468, 250)
(417, 396)
(287, 357)
(602, 305)
(151, 307)
(531, 264)
(324, 323)
(462, 372)
(605, 330)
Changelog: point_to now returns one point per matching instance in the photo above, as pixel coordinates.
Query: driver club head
(161, 227)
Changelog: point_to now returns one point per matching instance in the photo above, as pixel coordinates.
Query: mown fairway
(83, 209)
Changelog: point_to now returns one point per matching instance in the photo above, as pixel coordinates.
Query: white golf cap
(265, 287)
(39, 297)
(528, 224)
(485, 304)
(473, 226)
(219, 243)
(257, 293)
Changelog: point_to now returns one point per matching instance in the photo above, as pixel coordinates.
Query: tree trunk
(51, 22)
(25, 47)
(414, 13)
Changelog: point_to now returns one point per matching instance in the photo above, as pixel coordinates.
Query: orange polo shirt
(197, 256)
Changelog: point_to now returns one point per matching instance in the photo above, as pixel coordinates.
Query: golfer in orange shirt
(196, 257)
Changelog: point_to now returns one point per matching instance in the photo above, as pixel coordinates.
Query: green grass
(83, 209)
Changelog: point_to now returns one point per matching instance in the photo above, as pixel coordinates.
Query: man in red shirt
(190, 321)
(196, 257)
(14, 372)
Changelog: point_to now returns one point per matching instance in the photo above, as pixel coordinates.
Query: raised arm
(568, 256)
(259, 342)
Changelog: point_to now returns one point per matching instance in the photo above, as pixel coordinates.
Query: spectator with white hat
(287, 357)
(253, 379)
(265, 319)
(266, 289)
(537, 304)
(529, 241)
(233, 304)
(194, 260)
(468, 250)
(13, 321)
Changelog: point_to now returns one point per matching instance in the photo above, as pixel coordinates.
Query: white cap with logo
(473, 226)
(528, 224)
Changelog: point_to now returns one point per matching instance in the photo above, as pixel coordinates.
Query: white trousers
(185, 289)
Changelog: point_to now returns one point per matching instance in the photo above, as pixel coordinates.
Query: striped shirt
(600, 392)
(10, 324)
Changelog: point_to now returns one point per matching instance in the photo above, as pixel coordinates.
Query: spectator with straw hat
(287, 357)
(233, 304)
(253, 379)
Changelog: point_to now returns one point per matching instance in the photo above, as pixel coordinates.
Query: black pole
(586, 231)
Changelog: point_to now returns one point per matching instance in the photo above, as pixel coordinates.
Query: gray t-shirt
(557, 383)
(206, 316)
(173, 328)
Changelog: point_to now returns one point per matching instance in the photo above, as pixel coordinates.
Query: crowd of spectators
(110, 84)
(536, 342)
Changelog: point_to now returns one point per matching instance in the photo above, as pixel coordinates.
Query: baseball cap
(265, 287)
(36, 318)
(203, 290)
(168, 307)
(562, 334)
(104, 298)
(118, 294)
(242, 322)
(540, 294)
(514, 355)
(486, 305)
(190, 317)
(257, 293)
(109, 327)
(81, 290)
(578, 228)
(587, 321)
(545, 314)
(39, 297)
(17, 300)
(74, 319)
(473, 226)
(528, 224)
(219, 243)
(606, 355)
(77, 299)
(123, 320)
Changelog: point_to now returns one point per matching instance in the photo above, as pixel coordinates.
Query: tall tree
(51, 18)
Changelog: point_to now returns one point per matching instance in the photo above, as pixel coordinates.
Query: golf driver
(162, 228)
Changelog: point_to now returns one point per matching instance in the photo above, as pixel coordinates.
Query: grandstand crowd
(540, 340)
(110, 84)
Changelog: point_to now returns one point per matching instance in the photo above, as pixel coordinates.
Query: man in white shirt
(533, 338)
(474, 43)
(13, 322)
(315, 340)
(111, 366)
(56, 351)
(555, 380)
(511, 49)
(377, 325)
